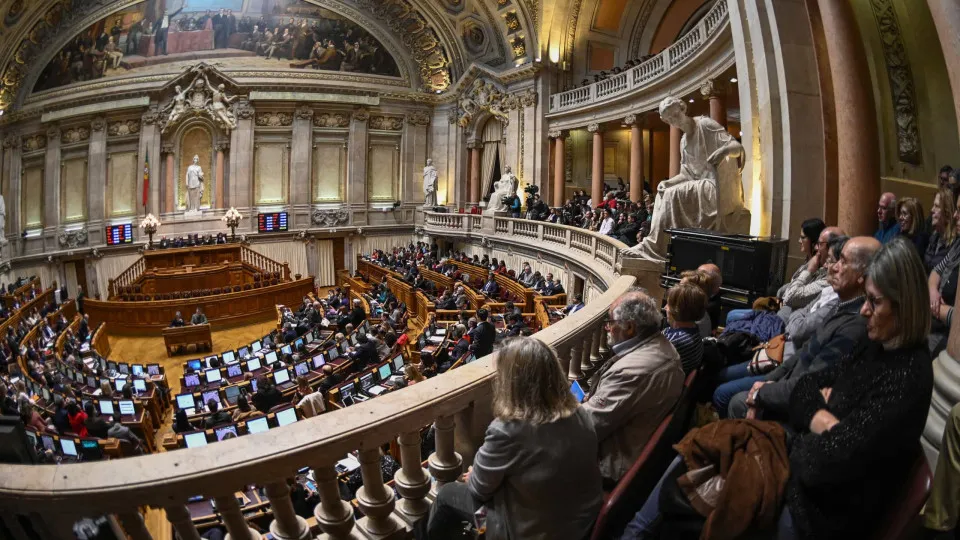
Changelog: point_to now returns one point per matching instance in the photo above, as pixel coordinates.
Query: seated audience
(244, 411)
(889, 228)
(537, 430)
(77, 419)
(217, 415)
(198, 317)
(96, 425)
(810, 279)
(912, 225)
(857, 422)
(177, 321)
(686, 303)
(942, 291)
(943, 228)
(635, 389)
(485, 334)
(267, 396)
(365, 353)
(804, 322)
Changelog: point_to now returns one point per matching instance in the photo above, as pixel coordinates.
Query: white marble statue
(707, 192)
(429, 185)
(219, 102)
(505, 187)
(178, 106)
(194, 185)
(3, 221)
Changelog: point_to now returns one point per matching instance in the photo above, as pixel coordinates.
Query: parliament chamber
(384, 269)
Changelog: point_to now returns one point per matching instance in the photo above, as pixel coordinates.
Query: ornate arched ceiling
(433, 41)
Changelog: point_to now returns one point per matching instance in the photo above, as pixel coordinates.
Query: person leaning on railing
(537, 431)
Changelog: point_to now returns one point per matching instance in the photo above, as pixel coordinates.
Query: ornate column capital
(53, 133)
(633, 119)
(594, 128)
(98, 124)
(167, 149)
(243, 110)
(474, 144)
(222, 146)
(11, 141)
(361, 114)
(152, 116)
(712, 88)
(556, 134)
(418, 118)
(304, 112)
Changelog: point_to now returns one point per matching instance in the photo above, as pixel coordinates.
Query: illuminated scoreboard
(272, 222)
(119, 234)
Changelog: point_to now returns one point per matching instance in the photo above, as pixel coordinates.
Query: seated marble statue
(707, 192)
(505, 187)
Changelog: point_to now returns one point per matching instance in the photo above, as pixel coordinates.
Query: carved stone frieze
(243, 109)
(53, 133)
(123, 128)
(329, 217)
(482, 96)
(152, 116)
(419, 118)
(72, 239)
(361, 114)
(32, 143)
(555, 133)
(512, 21)
(197, 95)
(274, 119)
(74, 135)
(221, 146)
(11, 141)
(388, 123)
(902, 89)
(168, 148)
(331, 120)
(519, 46)
(98, 124)
(304, 112)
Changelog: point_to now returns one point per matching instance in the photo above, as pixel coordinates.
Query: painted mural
(245, 34)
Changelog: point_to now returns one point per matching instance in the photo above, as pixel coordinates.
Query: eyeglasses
(872, 300)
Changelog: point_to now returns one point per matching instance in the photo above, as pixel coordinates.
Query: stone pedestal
(193, 214)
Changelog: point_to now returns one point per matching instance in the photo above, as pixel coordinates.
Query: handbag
(767, 356)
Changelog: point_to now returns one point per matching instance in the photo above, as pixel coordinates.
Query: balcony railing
(48, 499)
(670, 59)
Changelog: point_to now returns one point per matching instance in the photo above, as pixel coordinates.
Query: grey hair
(860, 257)
(638, 307)
(899, 274)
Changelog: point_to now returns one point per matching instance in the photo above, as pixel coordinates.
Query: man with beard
(636, 388)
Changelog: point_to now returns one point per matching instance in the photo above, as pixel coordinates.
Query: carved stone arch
(182, 156)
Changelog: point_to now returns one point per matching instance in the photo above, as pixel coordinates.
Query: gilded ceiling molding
(902, 89)
(572, 32)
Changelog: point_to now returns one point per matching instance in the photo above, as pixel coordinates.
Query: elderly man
(810, 282)
(887, 215)
(636, 388)
(841, 335)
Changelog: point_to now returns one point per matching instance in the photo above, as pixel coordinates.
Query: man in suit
(365, 353)
(357, 315)
(485, 334)
(551, 287)
(198, 317)
(160, 30)
(491, 288)
(575, 306)
(636, 388)
(177, 321)
(84, 330)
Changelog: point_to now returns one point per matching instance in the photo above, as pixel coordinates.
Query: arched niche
(196, 136)
(492, 134)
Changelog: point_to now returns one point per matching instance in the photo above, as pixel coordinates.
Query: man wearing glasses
(636, 388)
(887, 215)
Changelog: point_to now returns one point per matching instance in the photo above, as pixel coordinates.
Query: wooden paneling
(195, 256)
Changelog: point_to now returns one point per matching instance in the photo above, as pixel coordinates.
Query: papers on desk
(85, 347)
(348, 464)
(376, 390)
(435, 339)
(441, 331)
(97, 392)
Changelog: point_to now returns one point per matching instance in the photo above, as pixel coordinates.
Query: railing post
(412, 481)
(576, 353)
(286, 524)
(603, 350)
(563, 355)
(585, 362)
(376, 500)
(334, 515)
(701, 31)
(444, 463)
(593, 93)
(133, 525)
(233, 519)
(595, 345)
(179, 516)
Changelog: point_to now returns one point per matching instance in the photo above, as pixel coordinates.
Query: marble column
(636, 156)
(675, 135)
(149, 146)
(715, 92)
(169, 189)
(596, 177)
(300, 156)
(241, 158)
(476, 152)
(51, 187)
(559, 172)
(858, 150)
(13, 168)
(217, 200)
(96, 179)
(357, 151)
(946, 17)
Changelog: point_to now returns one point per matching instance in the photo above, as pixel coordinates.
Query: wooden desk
(195, 334)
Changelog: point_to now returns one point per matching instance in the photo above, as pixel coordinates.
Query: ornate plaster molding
(387, 123)
(304, 112)
(72, 239)
(123, 128)
(53, 133)
(419, 118)
(74, 135)
(274, 119)
(329, 217)
(332, 120)
(32, 143)
(361, 114)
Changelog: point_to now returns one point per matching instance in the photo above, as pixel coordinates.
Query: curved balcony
(704, 50)
(49, 498)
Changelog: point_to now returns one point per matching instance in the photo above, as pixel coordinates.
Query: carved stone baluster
(286, 524)
(445, 464)
(334, 515)
(595, 357)
(179, 516)
(412, 481)
(563, 354)
(232, 515)
(604, 346)
(376, 499)
(588, 340)
(134, 526)
(576, 353)
(12, 523)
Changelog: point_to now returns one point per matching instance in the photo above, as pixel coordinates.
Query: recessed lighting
(733, 80)
(691, 100)
(741, 134)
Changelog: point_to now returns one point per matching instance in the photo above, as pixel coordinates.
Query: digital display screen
(191, 380)
(211, 394)
(139, 385)
(229, 357)
(318, 361)
(253, 364)
(257, 425)
(69, 447)
(226, 432)
(195, 439)
(185, 401)
(119, 234)
(213, 375)
(271, 357)
(384, 371)
(106, 407)
(397, 363)
(153, 369)
(301, 369)
(286, 416)
(127, 408)
(281, 376)
(272, 222)
(234, 371)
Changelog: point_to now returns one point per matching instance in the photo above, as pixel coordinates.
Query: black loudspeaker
(754, 265)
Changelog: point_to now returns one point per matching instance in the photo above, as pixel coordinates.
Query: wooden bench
(197, 334)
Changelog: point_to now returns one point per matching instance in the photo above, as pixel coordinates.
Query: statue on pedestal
(429, 185)
(194, 185)
(707, 192)
(505, 187)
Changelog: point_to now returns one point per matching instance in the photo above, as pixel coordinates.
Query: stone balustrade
(651, 72)
(49, 498)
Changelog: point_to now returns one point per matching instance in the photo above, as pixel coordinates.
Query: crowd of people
(616, 70)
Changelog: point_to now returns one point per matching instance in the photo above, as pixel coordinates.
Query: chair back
(901, 520)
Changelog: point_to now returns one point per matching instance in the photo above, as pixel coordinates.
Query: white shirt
(606, 226)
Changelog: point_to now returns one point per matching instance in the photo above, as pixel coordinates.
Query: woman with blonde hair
(943, 228)
(412, 374)
(536, 472)
(912, 225)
